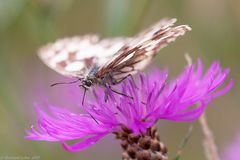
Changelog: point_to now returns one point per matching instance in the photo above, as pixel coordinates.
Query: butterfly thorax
(92, 79)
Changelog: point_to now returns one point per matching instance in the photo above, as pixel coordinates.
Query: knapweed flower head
(232, 151)
(146, 99)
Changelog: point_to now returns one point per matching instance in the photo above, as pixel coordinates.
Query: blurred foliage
(25, 25)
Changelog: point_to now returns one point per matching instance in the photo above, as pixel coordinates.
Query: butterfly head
(87, 83)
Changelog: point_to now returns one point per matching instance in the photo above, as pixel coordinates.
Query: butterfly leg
(117, 92)
(109, 88)
(115, 82)
(120, 93)
(106, 93)
(123, 94)
(84, 94)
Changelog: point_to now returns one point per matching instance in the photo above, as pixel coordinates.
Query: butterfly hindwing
(75, 56)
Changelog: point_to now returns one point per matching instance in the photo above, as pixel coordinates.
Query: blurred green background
(25, 25)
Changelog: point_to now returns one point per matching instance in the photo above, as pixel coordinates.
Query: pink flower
(150, 98)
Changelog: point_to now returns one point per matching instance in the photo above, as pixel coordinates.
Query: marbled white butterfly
(107, 62)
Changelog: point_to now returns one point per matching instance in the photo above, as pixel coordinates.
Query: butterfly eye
(88, 83)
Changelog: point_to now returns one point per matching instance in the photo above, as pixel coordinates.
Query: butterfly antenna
(54, 84)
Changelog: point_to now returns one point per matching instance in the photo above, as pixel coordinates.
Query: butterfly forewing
(138, 53)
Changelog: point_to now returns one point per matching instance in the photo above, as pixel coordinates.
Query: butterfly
(107, 62)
